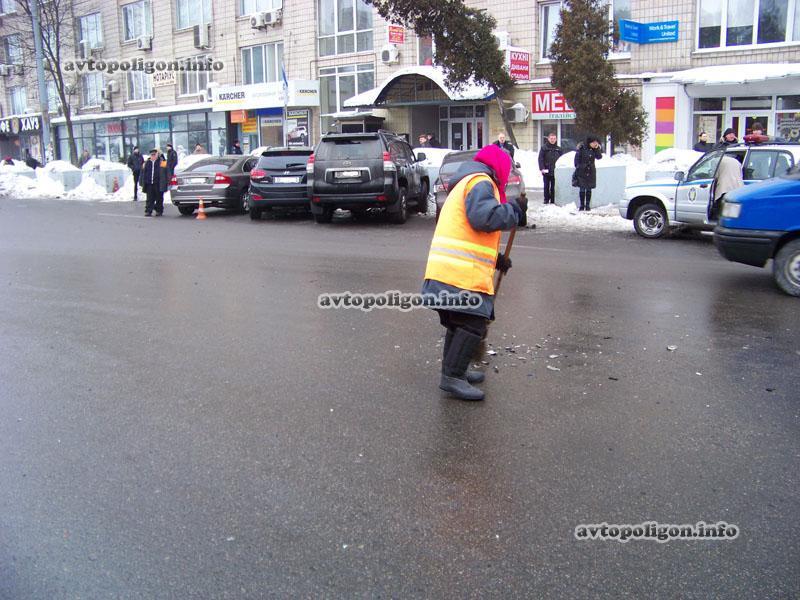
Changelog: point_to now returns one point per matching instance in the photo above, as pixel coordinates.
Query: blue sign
(648, 33)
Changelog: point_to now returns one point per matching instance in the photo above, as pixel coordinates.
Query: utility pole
(43, 98)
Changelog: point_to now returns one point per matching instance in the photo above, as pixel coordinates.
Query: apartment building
(294, 69)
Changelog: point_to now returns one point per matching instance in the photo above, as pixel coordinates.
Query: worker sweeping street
(463, 257)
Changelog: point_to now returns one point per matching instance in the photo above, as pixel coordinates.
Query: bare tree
(56, 19)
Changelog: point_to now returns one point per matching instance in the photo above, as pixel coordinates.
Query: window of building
(261, 64)
(619, 9)
(248, 7)
(140, 86)
(18, 100)
(709, 116)
(735, 23)
(425, 50)
(137, 19)
(787, 118)
(7, 6)
(13, 50)
(192, 12)
(92, 89)
(194, 82)
(90, 29)
(337, 84)
(344, 26)
(53, 103)
(550, 18)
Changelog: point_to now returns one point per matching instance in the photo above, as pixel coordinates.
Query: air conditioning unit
(19, 69)
(517, 113)
(390, 54)
(273, 17)
(112, 86)
(202, 36)
(144, 43)
(203, 96)
(503, 39)
(5, 70)
(258, 20)
(84, 49)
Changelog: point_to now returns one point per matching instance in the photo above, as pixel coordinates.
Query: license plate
(286, 179)
(196, 180)
(347, 174)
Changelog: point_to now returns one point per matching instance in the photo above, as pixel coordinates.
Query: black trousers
(549, 188)
(586, 197)
(452, 319)
(136, 185)
(155, 199)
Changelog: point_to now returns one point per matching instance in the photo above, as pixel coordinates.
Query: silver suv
(658, 205)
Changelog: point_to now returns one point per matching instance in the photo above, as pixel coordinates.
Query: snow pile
(19, 186)
(124, 193)
(433, 156)
(17, 167)
(188, 161)
(98, 164)
(529, 165)
(88, 190)
(59, 166)
(635, 170)
(672, 160)
(601, 218)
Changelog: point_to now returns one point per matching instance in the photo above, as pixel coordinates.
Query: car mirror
(680, 176)
(421, 156)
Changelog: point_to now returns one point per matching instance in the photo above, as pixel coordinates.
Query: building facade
(286, 71)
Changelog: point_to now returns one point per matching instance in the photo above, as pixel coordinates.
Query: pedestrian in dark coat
(505, 144)
(549, 153)
(728, 139)
(585, 171)
(703, 145)
(154, 183)
(135, 162)
(172, 161)
(236, 149)
(432, 141)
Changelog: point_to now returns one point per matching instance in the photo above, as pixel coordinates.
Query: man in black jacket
(154, 183)
(505, 144)
(548, 155)
(728, 139)
(135, 162)
(172, 160)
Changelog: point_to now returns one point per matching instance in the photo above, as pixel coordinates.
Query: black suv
(359, 171)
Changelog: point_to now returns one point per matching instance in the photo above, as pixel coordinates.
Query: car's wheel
(422, 202)
(650, 221)
(255, 213)
(325, 217)
(244, 202)
(786, 268)
(186, 210)
(401, 215)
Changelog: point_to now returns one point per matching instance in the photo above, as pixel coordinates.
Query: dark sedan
(221, 181)
(453, 161)
(278, 181)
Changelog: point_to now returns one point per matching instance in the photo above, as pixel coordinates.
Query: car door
(414, 170)
(693, 193)
(765, 163)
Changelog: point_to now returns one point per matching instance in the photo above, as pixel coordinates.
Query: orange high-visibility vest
(459, 255)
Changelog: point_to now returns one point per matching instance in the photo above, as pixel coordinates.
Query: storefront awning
(741, 80)
(407, 87)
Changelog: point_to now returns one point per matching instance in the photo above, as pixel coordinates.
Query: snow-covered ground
(601, 218)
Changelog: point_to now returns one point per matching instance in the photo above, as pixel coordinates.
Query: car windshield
(283, 161)
(216, 166)
(349, 148)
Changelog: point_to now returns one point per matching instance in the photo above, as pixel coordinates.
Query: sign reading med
(550, 104)
(648, 33)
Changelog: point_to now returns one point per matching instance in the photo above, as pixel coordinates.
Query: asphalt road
(178, 419)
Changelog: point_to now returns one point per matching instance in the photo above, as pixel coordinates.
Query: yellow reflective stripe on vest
(442, 240)
(468, 255)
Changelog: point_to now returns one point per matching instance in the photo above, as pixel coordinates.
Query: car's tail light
(310, 165)
(388, 165)
(221, 181)
(513, 180)
(315, 199)
(173, 181)
(381, 198)
(257, 174)
(439, 187)
(256, 197)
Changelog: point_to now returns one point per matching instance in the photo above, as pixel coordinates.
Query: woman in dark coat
(585, 178)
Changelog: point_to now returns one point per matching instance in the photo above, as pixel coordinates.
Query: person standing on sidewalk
(172, 161)
(549, 153)
(463, 256)
(154, 183)
(135, 162)
(503, 143)
(585, 171)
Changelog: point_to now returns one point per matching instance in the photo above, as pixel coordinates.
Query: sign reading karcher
(265, 95)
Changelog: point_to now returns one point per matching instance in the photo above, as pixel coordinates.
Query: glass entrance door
(466, 134)
(743, 122)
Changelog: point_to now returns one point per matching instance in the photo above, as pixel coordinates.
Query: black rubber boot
(455, 363)
(472, 375)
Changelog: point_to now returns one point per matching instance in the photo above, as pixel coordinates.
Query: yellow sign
(250, 125)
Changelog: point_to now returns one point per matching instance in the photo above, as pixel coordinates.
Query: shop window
(425, 50)
(194, 82)
(752, 103)
(787, 125)
(248, 7)
(92, 89)
(192, 12)
(735, 23)
(140, 86)
(338, 84)
(137, 19)
(90, 29)
(18, 100)
(345, 26)
(262, 64)
(12, 49)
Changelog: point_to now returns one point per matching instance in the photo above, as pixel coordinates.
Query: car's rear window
(221, 164)
(283, 161)
(347, 149)
(448, 169)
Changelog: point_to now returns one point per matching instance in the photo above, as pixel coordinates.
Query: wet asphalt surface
(178, 419)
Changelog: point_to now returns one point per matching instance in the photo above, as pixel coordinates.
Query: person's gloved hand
(503, 264)
(520, 206)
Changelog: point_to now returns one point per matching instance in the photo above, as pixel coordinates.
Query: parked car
(658, 205)
(762, 222)
(360, 171)
(278, 181)
(515, 187)
(221, 181)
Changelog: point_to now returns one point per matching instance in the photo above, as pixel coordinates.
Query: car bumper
(279, 196)
(748, 246)
(211, 198)
(353, 201)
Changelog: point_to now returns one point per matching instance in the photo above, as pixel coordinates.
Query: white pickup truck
(658, 205)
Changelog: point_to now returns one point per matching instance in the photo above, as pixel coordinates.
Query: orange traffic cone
(201, 211)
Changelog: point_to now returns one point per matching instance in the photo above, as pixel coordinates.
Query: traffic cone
(115, 185)
(201, 212)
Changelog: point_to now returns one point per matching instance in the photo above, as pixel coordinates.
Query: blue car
(762, 221)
